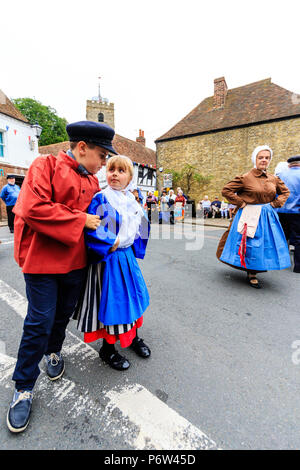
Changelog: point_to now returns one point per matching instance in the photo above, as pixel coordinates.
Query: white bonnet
(259, 149)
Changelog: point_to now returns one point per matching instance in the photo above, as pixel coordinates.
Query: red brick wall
(220, 92)
(4, 170)
(141, 138)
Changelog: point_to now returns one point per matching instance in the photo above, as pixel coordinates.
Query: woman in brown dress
(254, 241)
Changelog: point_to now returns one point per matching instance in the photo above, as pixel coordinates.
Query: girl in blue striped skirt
(115, 296)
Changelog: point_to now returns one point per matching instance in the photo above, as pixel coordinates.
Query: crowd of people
(215, 209)
(77, 247)
(169, 208)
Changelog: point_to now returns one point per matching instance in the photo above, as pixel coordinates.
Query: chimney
(220, 92)
(141, 139)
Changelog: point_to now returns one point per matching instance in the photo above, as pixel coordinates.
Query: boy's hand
(115, 246)
(92, 221)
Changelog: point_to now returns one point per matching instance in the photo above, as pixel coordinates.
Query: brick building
(219, 135)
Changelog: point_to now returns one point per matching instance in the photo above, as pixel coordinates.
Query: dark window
(100, 117)
(141, 171)
(150, 175)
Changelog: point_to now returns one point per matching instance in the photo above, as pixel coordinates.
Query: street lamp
(37, 130)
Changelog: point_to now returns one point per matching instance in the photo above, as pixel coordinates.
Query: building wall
(5, 170)
(94, 107)
(142, 182)
(21, 146)
(20, 149)
(225, 154)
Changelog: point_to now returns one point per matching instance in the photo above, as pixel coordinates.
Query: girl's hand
(115, 246)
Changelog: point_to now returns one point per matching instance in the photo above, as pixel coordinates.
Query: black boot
(109, 355)
(140, 348)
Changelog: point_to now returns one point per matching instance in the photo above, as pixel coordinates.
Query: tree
(187, 177)
(54, 127)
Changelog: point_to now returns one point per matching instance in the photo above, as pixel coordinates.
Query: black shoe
(114, 360)
(140, 348)
(19, 411)
(55, 365)
(256, 285)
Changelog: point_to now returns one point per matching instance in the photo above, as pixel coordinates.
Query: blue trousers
(291, 226)
(51, 301)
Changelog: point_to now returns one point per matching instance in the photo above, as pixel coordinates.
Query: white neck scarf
(131, 212)
(123, 200)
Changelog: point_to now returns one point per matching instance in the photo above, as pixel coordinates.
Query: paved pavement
(218, 223)
(224, 369)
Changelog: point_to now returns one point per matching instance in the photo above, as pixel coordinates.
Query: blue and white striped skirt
(115, 295)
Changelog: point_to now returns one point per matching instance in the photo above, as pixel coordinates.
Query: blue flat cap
(296, 158)
(92, 132)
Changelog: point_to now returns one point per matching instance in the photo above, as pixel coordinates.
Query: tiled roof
(8, 108)
(54, 148)
(254, 103)
(136, 152)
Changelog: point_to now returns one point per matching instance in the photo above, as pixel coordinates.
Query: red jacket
(50, 216)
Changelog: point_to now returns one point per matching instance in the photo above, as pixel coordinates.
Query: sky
(157, 59)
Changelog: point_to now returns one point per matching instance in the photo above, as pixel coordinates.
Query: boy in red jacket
(50, 216)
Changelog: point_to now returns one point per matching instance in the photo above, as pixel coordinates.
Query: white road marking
(158, 426)
(15, 300)
(7, 365)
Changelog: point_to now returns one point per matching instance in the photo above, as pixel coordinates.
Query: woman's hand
(115, 246)
(92, 221)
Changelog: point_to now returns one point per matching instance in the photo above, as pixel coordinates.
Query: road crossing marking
(156, 425)
(7, 365)
(15, 300)
(165, 427)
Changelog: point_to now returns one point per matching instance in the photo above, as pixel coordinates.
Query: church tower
(100, 109)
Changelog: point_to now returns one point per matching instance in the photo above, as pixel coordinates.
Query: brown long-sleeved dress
(254, 187)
